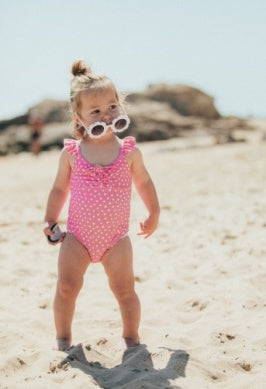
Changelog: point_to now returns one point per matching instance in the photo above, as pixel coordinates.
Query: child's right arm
(58, 193)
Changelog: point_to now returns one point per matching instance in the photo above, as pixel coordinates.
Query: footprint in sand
(243, 365)
(225, 337)
(199, 306)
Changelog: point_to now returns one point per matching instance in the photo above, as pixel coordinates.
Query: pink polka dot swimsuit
(99, 208)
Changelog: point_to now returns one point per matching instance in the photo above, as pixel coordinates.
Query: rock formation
(160, 112)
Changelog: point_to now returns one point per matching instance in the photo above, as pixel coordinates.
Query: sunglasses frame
(106, 126)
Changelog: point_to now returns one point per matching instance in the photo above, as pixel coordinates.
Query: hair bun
(79, 68)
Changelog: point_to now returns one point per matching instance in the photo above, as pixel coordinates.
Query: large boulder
(184, 99)
(154, 120)
(16, 121)
(52, 111)
(162, 111)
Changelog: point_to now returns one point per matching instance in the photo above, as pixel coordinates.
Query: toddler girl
(98, 168)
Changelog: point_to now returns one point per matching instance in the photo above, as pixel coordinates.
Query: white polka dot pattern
(99, 208)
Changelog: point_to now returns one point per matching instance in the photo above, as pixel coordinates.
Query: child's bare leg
(118, 266)
(72, 264)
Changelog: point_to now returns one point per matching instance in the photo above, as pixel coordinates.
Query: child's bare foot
(124, 344)
(132, 342)
(63, 344)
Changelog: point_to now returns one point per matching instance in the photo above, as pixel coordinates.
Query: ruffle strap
(129, 144)
(71, 146)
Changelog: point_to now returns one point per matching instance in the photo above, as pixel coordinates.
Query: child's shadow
(135, 371)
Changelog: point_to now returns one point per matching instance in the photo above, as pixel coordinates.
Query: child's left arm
(147, 192)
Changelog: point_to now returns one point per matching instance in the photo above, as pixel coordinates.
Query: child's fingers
(145, 230)
(47, 231)
(143, 227)
(62, 237)
(145, 234)
(56, 242)
(141, 233)
(52, 243)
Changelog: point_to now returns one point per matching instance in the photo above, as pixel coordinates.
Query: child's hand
(48, 232)
(149, 226)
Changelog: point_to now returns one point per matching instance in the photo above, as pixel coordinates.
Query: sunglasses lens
(121, 124)
(97, 130)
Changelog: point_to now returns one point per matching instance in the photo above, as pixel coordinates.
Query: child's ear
(74, 117)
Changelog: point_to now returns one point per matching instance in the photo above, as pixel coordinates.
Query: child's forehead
(98, 97)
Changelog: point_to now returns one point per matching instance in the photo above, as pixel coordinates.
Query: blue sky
(217, 46)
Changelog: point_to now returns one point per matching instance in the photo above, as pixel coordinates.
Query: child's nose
(107, 117)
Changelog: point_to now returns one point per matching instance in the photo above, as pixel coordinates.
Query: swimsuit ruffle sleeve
(71, 146)
(129, 144)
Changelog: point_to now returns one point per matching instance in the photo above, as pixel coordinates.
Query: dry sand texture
(201, 279)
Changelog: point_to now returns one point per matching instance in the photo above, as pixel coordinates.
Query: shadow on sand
(136, 370)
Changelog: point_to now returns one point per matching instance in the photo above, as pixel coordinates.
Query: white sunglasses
(98, 129)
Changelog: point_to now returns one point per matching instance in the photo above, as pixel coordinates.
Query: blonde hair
(85, 80)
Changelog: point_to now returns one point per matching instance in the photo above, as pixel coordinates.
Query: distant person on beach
(98, 168)
(35, 123)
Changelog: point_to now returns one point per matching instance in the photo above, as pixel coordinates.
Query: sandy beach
(201, 278)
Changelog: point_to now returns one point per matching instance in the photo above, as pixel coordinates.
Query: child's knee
(68, 289)
(124, 294)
